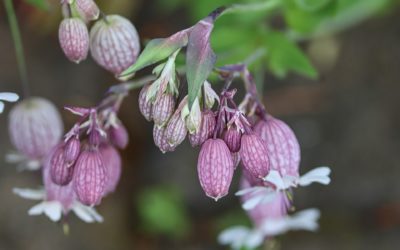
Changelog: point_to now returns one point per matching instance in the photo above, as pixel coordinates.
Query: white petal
(249, 190)
(275, 178)
(320, 175)
(1, 107)
(234, 236)
(252, 202)
(9, 97)
(305, 220)
(275, 226)
(53, 210)
(254, 239)
(37, 209)
(14, 157)
(30, 194)
(85, 213)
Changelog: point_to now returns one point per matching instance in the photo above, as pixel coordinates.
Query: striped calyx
(254, 155)
(74, 39)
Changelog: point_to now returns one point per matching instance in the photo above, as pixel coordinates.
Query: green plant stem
(19, 51)
(261, 6)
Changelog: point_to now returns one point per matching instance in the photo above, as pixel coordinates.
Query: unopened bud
(281, 142)
(35, 127)
(145, 105)
(90, 177)
(215, 168)
(160, 139)
(163, 108)
(193, 120)
(112, 164)
(118, 135)
(232, 137)
(72, 149)
(176, 130)
(60, 171)
(114, 43)
(254, 155)
(206, 129)
(87, 9)
(74, 39)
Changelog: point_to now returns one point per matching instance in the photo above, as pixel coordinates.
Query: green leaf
(200, 58)
(311, 5)
(284, 56)
(40, 4)
(157, 50)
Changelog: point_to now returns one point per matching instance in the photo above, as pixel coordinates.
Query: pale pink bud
(215, 168)
(60, 171)
(160, 139)
(281, 142)
(145, 105)
(232, 137)
(275, 209)
(206, 130)
(254, 155)
(63, 194)
(175, 131)
(163, 108)
(118, 135)
(90, 177)
(87, 9)
(74, 39)
(114, 43)
(35, 127)
(112, 164)
(72, 149)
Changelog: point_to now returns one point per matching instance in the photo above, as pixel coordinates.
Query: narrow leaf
(157, 50)
(200, 58)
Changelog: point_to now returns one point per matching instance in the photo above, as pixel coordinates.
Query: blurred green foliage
(238, 35)
(162, 211)
(40, 4)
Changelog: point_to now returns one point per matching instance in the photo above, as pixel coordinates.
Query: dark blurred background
(347, 119)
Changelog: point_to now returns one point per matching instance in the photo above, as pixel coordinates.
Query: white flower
(264, 194)
(22, 162)
(54, 209)
(8, 97)
(239, 236)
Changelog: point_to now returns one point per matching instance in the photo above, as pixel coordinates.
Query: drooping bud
(72, 150)
(74, 39)
(87, 9)
(193, 120)
(118, 135)
(60, 171)
(145, 105)
(254, 155)
(215, 168)
(232, 137)
(282, 144)
(163, 108)
(160, 139)
(206, 129)
(90, 177)
(63, 194)
(35, 127)
(114, 43)
(112, 164)
(175, 131)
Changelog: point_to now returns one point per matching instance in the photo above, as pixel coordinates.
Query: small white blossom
(8, 97)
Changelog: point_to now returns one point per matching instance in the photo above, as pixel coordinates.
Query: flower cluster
(113, 40)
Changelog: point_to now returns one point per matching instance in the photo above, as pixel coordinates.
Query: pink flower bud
(35, 127)
(206, 129)
(175, 131)
(145, 105)
(87, 9)
(112, 164)
(60, 171)
(254, 155)
(90, 177)
(72, 149)
(74, 39)
(232, 137)
(160, 139)
(282, 145)
(114, 43)
(63, 194)
(163, 108)
(119, 136)
(215, 168)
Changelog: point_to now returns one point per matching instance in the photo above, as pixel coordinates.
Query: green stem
(262, 6)
(19, 51)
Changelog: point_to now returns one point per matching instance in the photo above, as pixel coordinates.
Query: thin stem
(19, 51)
(261, 6)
